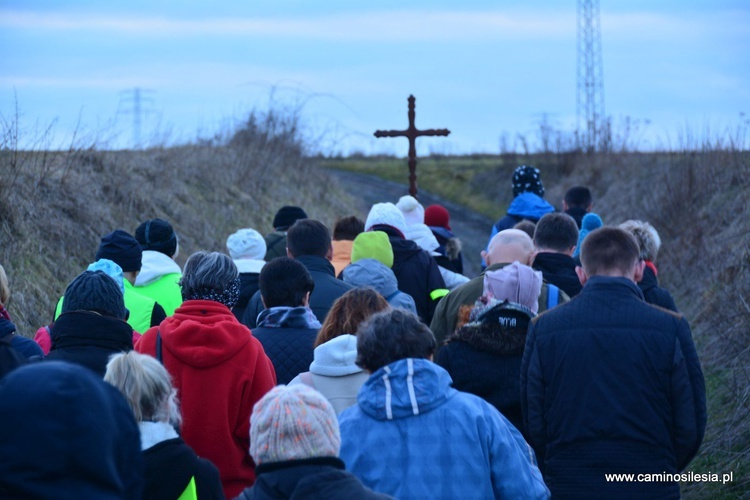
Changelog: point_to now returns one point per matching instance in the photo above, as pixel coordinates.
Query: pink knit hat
(515, 282)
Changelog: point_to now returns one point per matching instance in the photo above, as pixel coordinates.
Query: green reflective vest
(165, 291)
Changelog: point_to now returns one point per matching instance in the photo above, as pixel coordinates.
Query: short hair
(556, 231)
(578, 196)
(527, 227)
(392, 335)
(207, 271)
(647, 237)
(349, 311)
(4, 287)
(607, 250)
(146, 385)
(308, 237)
(347, 228)
(284, 282)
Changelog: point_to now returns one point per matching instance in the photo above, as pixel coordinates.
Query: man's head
(122, 249)
(286, 216)
(157, 235)
(610, 251)
(392, 335)
(347, 228)
(285, 282)
(308, 237)
(578, 197)
(646, 236)
(508, 246)
(527, 179)
(556, 233)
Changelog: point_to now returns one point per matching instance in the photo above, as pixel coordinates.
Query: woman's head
(146, 386)
(349, 311)
(211, 276)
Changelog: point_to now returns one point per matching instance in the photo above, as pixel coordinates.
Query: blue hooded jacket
(66, 434)
(413, 436)
(371, 272)
(525, 206)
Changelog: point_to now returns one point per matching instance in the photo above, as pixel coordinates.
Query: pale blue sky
(480, 69)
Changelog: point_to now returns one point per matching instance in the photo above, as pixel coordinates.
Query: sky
(483, 69)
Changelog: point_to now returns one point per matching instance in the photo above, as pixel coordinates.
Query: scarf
(229, 296)
(288, 317)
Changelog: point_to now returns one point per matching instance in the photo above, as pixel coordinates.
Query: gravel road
(472, 228)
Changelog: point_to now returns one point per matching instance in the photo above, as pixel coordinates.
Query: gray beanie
(95, 291)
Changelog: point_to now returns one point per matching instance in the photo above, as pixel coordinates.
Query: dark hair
(347, 228)
(527, 227)
(556, 231)
(284, 282)
(578, 196)
(308, 237)
(392, 335)
(349, 310)
(609, 249)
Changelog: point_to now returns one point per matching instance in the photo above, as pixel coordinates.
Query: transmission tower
(590, 80)
(136, 100)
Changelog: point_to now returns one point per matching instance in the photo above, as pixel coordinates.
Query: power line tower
(136, 100)
(590, 80)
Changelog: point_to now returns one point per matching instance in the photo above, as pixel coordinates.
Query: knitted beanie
(157, 235)
(413, 210)
(246, 244)
(122, 249)
(286, 216)
(94, 291)
(589, 222)
(527, 179)
(373, 245)
(515, 282)
(386, 214)
(437, 216)
(293, 423)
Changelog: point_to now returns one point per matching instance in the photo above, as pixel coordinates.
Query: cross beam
(412, 133)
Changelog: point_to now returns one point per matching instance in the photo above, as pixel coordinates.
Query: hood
(203, 333)
(422, 236)
(154, 265)
(405, 388)
(373, 273)
(249, 265)
(335, 358)
(529, 206)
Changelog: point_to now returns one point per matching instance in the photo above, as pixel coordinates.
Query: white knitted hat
(413, 211)
(293, 422)
(386, 214)
(246, 244)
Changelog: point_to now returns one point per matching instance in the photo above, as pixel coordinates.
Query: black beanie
(286, 216)
(158, 235)
(527, 180)
(95, 291)
(122, 249)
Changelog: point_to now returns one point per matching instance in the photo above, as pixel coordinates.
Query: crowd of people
(358, 362)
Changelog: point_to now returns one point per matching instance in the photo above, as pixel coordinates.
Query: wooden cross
(412, 133)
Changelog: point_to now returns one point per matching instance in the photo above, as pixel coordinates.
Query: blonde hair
(146, 385)
(647, 237)
(4, 287)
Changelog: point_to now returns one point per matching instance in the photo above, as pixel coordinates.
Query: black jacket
(653, 293)
(327, 290)
(169, 467)
(609, 382)
(321, 478)
(416, 271)
(560, 270)
(486, 361)
(248, 286)
(89, 339)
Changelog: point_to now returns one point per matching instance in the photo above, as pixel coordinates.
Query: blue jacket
(66, 434)
(525, 206)
(413, 436)
(611, 384)
(371, 272)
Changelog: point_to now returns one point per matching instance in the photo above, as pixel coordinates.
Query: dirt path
(472, 228)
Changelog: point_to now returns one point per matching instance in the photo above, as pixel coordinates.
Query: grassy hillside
(697, 200)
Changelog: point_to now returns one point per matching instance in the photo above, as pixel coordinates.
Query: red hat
(437, 216)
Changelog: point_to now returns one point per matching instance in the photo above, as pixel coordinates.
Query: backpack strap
(158, 347)
(553, 295)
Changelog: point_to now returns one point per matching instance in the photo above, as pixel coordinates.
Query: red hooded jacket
(220, 371)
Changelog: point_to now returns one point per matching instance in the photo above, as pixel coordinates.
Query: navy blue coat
(653, 293)
(560, 270)
(611, 384)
